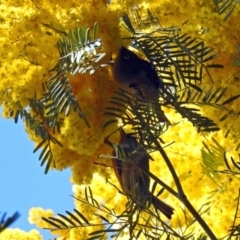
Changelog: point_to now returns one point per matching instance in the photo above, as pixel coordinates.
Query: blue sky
(23, 183)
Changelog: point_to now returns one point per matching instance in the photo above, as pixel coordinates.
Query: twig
(181, 195)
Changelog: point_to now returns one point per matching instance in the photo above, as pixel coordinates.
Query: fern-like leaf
(225, 6)
(6, 222)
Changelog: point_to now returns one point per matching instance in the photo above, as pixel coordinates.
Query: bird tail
(166, 209)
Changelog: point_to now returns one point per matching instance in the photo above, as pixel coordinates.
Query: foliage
(5, 223)
(77, 54)
(226, 7)
(114, 224)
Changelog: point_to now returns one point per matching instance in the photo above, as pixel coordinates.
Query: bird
(134, 183)
(134, 74)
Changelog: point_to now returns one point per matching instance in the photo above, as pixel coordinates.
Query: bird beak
(122, 133)
(120, 50)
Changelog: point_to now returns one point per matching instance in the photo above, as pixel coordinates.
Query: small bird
(134, 74)
(133, 181)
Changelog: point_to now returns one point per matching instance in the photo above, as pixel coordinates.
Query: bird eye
(126, 56)
(131, 138)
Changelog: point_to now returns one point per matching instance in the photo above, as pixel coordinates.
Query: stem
(159, 181)
(198, 217)
(181, 195)
(172, 170)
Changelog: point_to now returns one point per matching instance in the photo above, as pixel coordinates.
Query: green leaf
(9, 221)
(221, 94)
(43, 152)
(64, 104)
(81, 216)
(48, 165)
(236, 164)
(39, 145)
(231, 99)
(139, 233)
(81, 35)
(215, 66)
(58, 221)
(215, 94)
(102, 217)
(60, 100)
(95, 30)
(94, 202)
(207, 95)
(195, 87)
(45, 158)
(87, 36)
(75, 218)
(67, 219)
(56, 27)
(16, 116)
(104, 231)
(106, 208)
(238, 146)
(214, 129)
(54, 140)
(226, 161)
(229, 13)
(51, 222)
(209, 58)
(90, 193)
(127, 23)
(68, 108)
(114, 121)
